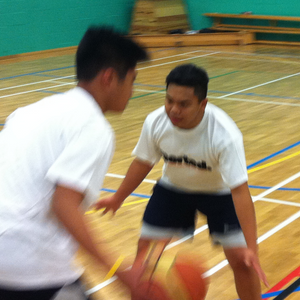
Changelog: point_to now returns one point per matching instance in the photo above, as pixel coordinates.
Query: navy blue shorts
(170, 209)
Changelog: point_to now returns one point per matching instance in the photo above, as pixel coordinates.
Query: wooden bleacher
(275, 25)
(153, 20)
(185, 40)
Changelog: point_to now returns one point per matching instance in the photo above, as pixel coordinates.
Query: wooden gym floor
(258, 87)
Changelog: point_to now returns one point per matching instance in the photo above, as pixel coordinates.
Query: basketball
(176, 278)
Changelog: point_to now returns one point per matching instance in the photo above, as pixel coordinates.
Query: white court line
(259, 60)
(280, 202)
(187, 237)
(224, 263)
(174, 61)
(37, 90)
(270, 60)
(279, 226)
(100, 286)
(36, 82)
(181, 54)
(271, 56)
(262, 84)
(257, 101)
(230, 99)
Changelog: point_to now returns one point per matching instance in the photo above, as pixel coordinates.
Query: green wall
(260, 7)
(34, 25)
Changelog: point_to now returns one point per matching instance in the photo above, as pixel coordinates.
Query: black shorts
(170, 209)
(42, 294)
(72, 291)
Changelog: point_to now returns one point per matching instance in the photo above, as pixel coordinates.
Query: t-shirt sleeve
(146, 148)
(84, 160)
(233, 163)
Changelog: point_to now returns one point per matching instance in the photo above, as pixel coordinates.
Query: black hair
(192, 76)
(103, 47)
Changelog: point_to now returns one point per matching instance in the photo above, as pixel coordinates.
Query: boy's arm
(246, 214)
(136, 173)
(66, 206)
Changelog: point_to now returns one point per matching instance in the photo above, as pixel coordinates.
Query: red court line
(284, 281)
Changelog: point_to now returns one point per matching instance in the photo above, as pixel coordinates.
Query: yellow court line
(92, 211)
(114, 268)
(274, 162)
(135, 202)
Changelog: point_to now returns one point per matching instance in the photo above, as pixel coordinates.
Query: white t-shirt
(63, 139)
(209, 158)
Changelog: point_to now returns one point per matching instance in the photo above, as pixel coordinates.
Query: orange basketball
(179, 278)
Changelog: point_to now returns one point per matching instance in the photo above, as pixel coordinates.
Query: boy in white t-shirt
(54, 155)
(204, 170)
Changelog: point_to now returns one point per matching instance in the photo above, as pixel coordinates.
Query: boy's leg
(246, 279)
(225, 230)
(148, 254)
(143, 249)
(168, 213)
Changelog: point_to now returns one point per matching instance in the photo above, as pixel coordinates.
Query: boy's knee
(236, 258)
(238, 263)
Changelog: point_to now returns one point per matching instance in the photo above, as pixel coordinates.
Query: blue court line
(268, 187)
(217, 76)
(133, 194)
(48, 92)
(34, 73)
(53, 76)
(273, 294)
(272, 155)
(250, 186)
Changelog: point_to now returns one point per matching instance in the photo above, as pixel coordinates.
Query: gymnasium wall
(34, 25)
(259, 7)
